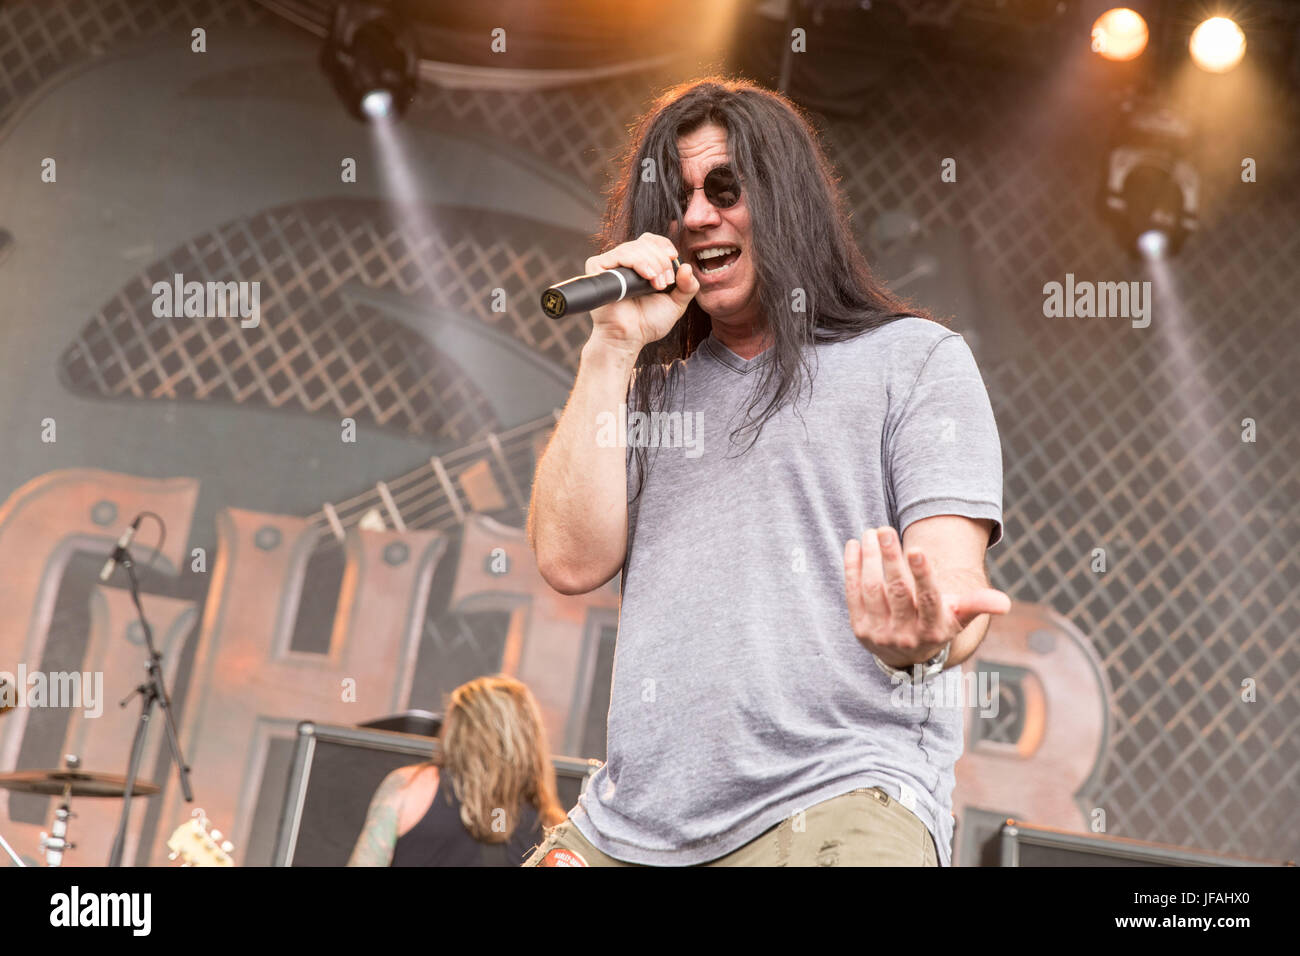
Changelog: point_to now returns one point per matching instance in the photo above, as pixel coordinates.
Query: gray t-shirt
(740, 694)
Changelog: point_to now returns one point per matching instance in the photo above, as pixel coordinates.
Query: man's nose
(700, 213)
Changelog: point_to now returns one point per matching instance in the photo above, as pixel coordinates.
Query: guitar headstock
(195, 843)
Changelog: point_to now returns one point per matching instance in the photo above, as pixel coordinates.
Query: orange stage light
(1119, 34)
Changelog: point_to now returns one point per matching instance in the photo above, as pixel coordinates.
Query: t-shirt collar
(730, 359)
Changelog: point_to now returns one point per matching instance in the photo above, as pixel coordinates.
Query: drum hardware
(66, 784)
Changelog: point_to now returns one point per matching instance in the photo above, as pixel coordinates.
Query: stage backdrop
(309, 576)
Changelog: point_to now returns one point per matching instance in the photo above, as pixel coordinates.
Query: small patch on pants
(562, 857)
(829, 854)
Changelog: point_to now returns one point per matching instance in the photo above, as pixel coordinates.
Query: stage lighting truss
(1152, 187)
(370, 55)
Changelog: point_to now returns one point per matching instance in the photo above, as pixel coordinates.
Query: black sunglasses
(721, 187)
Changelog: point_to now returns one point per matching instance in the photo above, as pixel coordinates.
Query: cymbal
(82, 783)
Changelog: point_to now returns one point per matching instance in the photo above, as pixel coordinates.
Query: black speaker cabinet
(336, 770)
(1024, 844)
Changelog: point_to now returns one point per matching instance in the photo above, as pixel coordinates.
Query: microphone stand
(4, 845)
(152, 691)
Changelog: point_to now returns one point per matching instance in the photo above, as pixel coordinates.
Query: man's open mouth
(716, 259)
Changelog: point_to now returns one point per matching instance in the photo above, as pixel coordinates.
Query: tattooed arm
(379, 835)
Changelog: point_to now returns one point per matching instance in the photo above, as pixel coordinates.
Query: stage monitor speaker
(336, 770)
(1024, 844)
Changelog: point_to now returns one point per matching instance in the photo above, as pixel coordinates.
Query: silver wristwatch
(928, 668)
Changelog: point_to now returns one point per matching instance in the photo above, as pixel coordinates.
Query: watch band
(928, 668)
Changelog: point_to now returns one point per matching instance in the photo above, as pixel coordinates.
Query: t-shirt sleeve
(944, 454)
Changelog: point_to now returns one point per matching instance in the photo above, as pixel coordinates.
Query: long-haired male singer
(801, 526)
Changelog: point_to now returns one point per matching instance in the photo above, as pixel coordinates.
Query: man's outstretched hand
(895, 606)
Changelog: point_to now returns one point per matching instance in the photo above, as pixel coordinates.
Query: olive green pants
(862, 828)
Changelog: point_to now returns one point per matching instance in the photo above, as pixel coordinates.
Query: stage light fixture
(371, 58)
(1152, 188)
(1217, 45)
(1119, 34)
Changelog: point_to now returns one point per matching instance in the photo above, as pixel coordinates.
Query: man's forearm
(968, 641)
(578, 511)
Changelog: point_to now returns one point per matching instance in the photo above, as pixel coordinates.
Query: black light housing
(1152, 188)
(370, 56)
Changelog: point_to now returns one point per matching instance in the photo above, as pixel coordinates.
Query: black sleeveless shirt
(440, 839)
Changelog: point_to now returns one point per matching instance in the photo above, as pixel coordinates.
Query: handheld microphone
(584, 293)
(120, 551)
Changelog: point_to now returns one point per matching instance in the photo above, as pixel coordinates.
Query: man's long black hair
(800, 237)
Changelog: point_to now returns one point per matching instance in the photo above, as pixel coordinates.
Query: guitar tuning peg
(172, 855)
(216, 834)
(227, 846)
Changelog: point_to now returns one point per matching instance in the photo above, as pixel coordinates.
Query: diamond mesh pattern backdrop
(576, 130)
(1114, 438)
(1130, 440)
(37, 39)
(314, 349)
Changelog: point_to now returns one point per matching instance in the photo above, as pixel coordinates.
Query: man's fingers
(853, 581)
(899, 587)
(873, 584)
(865, 603)
(687, 285)
(971, 604)
(929, 602)
(649, 256)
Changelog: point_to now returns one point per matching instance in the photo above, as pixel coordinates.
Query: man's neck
(745, 340)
